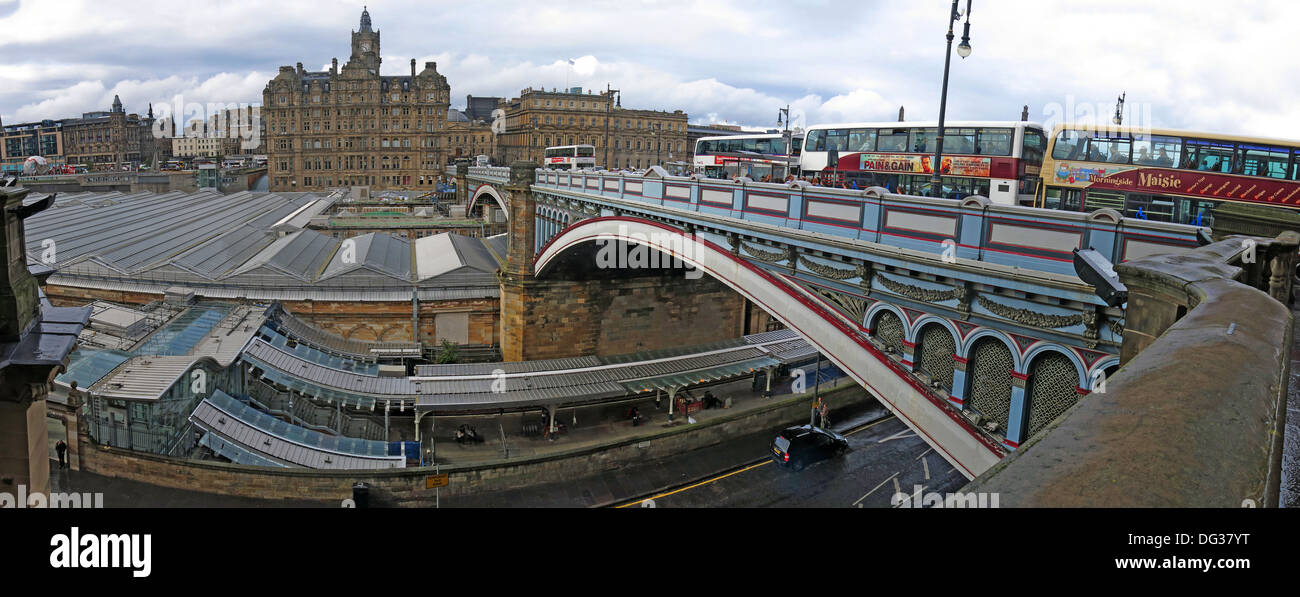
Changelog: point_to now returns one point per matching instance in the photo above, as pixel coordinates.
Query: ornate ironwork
(934, 356)
(1028, 317)
(964, 296)
(1116, 327)
(1051, 390)
(1090, 336)
(990, 381)
(853, 307)
(917, 293)
(765, 256)
(827, 271)
(889, 330)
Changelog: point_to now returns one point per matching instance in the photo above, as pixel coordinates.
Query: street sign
(433, 481)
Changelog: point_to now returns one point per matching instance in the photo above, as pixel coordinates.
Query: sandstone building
(352, 126)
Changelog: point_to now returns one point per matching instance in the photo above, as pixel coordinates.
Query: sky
(1199, 65)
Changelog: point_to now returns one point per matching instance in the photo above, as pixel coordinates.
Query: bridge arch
(889, 325)
(1051, 386)
(936, 345)
(918, 406)
(1041, 347)
(966, 345)
(1106, 367)
(489, 191)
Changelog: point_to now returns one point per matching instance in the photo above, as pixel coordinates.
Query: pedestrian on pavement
(62, 450)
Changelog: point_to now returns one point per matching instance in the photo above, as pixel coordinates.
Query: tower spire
(365, 19)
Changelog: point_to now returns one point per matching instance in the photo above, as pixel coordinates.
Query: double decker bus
(1166, 175)
(571, 157)
(999, 160)
(754, 155)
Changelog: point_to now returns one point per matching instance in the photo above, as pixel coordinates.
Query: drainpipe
(415, 315)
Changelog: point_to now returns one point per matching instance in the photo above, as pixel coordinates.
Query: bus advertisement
(1166, 175)
(999, 160)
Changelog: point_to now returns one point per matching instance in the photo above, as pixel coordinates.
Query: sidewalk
(595, 425)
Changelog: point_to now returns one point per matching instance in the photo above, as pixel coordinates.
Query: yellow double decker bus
(1166, 175)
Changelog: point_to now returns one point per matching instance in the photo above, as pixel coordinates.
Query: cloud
(1204, 65)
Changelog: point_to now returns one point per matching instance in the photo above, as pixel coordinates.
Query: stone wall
(547, 319)
(406, 487)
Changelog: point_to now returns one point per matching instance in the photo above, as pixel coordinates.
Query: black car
(798, 447)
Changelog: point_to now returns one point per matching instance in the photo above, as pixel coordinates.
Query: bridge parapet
(495, 174)
(971, 228)
(1195, 417)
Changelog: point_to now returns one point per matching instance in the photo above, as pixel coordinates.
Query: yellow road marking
(737, 472)
(705, 482)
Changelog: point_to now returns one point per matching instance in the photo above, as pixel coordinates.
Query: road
(884, 457)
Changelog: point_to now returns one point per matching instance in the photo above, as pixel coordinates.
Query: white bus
(571, 157)
(1000, 160)
(753, 155)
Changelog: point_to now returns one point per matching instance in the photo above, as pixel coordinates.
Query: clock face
(365, 46)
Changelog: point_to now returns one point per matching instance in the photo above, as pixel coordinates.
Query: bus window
(891, 139)
(862, 140)
(1295, 165)
(959, 140)
(796, 146)
(920, 140)
(1101, 199)
(1156, 208)
(1116, 150)
(1062, 198)
(1197, 212)
(816, 140)
(1034, 147)
(837, 140)
(1156, 151)
(1262, 161)
(1209, 156)
(1070, 145)
(998, 142)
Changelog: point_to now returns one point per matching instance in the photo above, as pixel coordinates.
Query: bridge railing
(971, 228)
(492, 173)
(1196, 414)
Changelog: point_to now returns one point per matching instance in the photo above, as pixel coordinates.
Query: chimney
(1024, 114)
(300, 68)
(334, 68)
(900, 114)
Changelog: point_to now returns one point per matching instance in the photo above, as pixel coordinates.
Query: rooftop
(242, 245)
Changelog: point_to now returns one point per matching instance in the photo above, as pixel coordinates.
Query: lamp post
(655, 135)
(786, 138)
(609, 104)
(963, 50)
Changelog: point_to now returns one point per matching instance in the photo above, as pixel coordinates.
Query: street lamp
(655, 135)
(609, 101)
(963, 50)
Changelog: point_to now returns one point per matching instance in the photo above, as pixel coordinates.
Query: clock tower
(365, 45)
